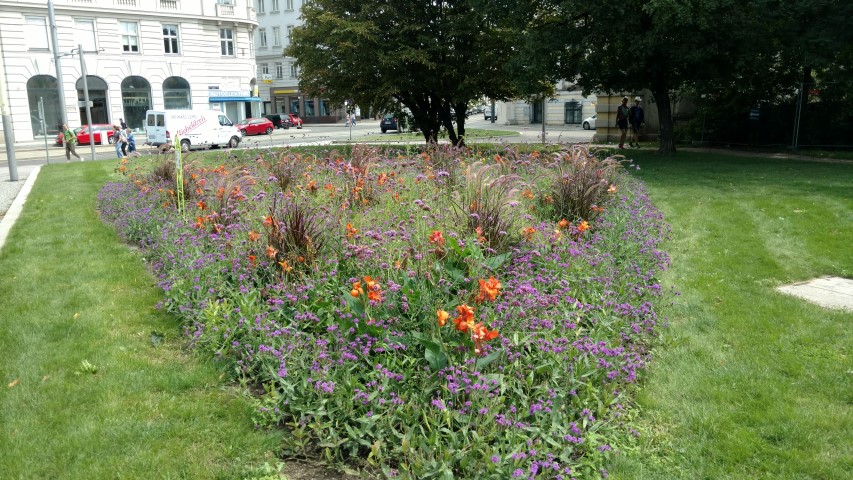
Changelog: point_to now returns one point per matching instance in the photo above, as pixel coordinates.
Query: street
(365, 131)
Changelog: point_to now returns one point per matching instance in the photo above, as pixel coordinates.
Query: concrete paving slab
(829, 292)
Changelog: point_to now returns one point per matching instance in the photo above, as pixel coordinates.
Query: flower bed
(425, 316)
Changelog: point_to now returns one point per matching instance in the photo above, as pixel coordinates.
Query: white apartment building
(279, 86)
(568, 107)
(139, 55)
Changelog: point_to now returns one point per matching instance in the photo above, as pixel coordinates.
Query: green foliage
(434, 59)
(296, 232)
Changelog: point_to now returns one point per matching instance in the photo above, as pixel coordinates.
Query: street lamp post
(86, 99)
(56, 57)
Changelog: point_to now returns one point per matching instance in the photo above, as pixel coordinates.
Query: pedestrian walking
(117, 140)
(622, 112)
(352, 117)
(123, 137)
(122, 124)
(637, 119)
(70, 140)
(131, 144)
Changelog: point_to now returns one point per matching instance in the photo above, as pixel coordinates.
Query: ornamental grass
(420, 316)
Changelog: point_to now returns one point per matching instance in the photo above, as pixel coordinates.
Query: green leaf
(496, 262)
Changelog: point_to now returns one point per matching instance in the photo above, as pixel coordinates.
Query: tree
(663, 45)
(431, 57)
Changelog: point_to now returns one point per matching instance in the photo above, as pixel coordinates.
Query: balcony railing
(224, 10)
(169, 5)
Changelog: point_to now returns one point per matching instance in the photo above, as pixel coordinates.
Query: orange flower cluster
(374, 290)
(480, 237)
(528, 233)
(612, 189)
(351, 231)
(489, 289)
(528, 194)
(584, 226)
(254, 236)
(436, 238)
(563, 224)
(464, 323)
(271, 252)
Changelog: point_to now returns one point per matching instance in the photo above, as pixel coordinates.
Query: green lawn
(746, 383)
(749, 383)
(394, 136)
(88, 391)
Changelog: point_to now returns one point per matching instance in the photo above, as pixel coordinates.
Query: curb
(17, 206)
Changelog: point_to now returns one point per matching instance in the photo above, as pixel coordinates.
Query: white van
(196, 128)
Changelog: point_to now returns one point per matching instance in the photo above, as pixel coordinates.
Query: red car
(293, 118)
(255, 126)
(99, 130)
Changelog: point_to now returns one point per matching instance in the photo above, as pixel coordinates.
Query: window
(262, 38)
(276, 36)
(274, 6)
(261, 6)
(289, 34)
(226, 42)
(572, 112)
(86, 34)
(129, 36)
(293, 71)
(36, 35)
(170, 39)
(265, 69)
(279, 70)
(289, 4)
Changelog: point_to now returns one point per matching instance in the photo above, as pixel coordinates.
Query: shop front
(310, 109)
(237, 104)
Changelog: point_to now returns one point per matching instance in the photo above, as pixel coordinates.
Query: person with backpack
(637, 120)
(622, 112)
(131, 144)
(70, 140)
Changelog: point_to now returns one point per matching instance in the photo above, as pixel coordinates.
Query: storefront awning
(234, 99)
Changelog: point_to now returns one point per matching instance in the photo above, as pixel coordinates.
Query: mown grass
(72, 292)
(749, 383)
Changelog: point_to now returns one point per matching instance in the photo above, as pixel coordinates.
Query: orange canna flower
(312, 186)
(584, 226)
(527, 194)
(285, 267)
(465, 319)
(382, 178)
(374, 295)
(252, 260)
(436, 238)
(442, 317)
(199, 222)
(489, 289)
(271, 251)
(253, 235)
(612, 189)
(268, 221)
(480, 237)
(528, 232)
(356, 290)
(201, 205)
(351, 231)
(563, 224)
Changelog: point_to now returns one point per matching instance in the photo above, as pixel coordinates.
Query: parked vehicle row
(284, 120)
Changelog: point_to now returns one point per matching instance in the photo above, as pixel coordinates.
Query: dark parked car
(255, 126)
(278, 121)
(388, 122)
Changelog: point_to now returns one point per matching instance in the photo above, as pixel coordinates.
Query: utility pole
(55, 46)
(86, 99)
(8, 131)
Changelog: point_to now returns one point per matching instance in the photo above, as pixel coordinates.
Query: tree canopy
(432, 58)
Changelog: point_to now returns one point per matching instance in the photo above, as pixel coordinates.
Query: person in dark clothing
(122, 124)
(622, 112)
(637, 119)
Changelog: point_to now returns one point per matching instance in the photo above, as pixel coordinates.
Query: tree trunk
(461, 110)
(666, 134)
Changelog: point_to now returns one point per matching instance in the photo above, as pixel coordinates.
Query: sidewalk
(13, 195)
